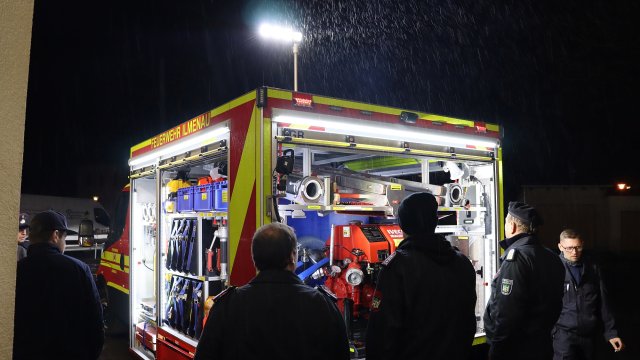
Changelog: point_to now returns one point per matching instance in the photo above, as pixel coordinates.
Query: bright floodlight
(280, 33)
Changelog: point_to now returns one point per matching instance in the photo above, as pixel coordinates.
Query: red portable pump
(356, 253)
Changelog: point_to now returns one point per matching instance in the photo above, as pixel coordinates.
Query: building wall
(15, 39)
(604, 220)
(624, 220)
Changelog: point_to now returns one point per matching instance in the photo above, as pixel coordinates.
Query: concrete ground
(116, 347)
(619, 272)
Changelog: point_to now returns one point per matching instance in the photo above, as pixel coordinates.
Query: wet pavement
(116, 347)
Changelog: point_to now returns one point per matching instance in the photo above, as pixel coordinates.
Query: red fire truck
(335, 170)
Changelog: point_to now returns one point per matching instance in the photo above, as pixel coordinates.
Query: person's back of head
(273, 247)
(418, 214)
(524, 216)
(45, 224)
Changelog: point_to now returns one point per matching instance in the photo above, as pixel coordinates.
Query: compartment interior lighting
(398, 132)
(190, 142)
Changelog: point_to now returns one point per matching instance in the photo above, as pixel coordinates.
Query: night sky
(560, 76)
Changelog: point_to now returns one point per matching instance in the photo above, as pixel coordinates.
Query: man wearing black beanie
(424, 303)
(526, 292)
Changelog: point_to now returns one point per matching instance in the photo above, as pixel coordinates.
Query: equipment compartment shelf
(180, 336)
(193, 277)
(366, 208)
(205, 215)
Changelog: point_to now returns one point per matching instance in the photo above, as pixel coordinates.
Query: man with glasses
(585, 307)
(58, 314)
(526, 292)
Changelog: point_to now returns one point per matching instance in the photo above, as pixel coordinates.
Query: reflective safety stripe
(111, 256)
(116, 286)
(280, 94)
(479, 340)
(114, 257)
(378, 163)
(114, 266)
(388, 110)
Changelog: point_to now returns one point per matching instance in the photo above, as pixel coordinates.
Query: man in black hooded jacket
(424, 304)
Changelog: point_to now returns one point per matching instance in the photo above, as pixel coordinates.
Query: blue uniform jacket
(58, 314)
(585, 307)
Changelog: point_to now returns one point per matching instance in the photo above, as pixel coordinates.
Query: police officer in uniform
(585, 310)
(23, 234)
(424, 303)
(275, 316)
(526, 292)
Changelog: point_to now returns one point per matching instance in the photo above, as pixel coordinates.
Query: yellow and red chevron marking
(243, 123)
(110, 268)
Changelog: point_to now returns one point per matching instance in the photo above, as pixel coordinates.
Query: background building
(604, 215)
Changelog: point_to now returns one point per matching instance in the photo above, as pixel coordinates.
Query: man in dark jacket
(58, 314)
(526, 292)
(424, 303)
(585, 309)
(275, 316)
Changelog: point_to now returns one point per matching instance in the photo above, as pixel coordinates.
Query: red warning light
(302, 100)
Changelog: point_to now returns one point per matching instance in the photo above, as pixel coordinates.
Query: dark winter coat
(58, 314)
(424, 304)
(526, 299)
(275, 316)
(23, 246)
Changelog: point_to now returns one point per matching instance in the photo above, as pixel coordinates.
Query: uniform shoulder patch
(507, 286)
(389, 258)
(376, 301)
(511, 255)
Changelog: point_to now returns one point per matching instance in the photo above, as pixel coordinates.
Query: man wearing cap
(526, 292)
(424, 303)
(23, 233)
(58, 314)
